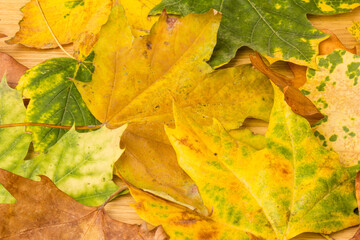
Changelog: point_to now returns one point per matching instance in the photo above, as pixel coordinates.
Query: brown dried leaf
(2, 35)
(13, 69)
(43, 211)
(296, 100)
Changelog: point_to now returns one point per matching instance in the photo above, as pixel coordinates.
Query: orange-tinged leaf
(44, 212)
(69, 20)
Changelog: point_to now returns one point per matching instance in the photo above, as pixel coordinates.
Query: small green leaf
(54, 98)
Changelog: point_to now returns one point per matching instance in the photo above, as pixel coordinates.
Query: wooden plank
(120, 208)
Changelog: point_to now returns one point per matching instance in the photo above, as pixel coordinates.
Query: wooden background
(120, 209)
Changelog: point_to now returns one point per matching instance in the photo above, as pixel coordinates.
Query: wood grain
(120, 209)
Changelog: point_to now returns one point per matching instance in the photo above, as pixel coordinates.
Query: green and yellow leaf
(277, 29)
(54, 99)
(334, 89)
(294, 185)
(81, 165)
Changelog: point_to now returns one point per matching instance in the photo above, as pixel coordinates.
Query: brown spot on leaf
(145, 54)
(185, 142)
(186, 221)
(210, 234)
(171, 22)
(149, 45)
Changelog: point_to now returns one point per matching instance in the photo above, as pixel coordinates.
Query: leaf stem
(89, 127)
(51, 31)
(121, 189)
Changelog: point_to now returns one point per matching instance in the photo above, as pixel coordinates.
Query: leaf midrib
(162, 76)
(241, 181)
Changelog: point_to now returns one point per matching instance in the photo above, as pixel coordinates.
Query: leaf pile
(140, 97)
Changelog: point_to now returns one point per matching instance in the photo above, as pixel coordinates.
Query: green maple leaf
(80, 164)
(293, 185)
(278, 29)
(54, 99)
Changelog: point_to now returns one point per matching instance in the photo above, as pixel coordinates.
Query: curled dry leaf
(42, 211)
(296, 100)
(12, 68)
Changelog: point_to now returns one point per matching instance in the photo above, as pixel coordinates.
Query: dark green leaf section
(54, 99)
(277, 28)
